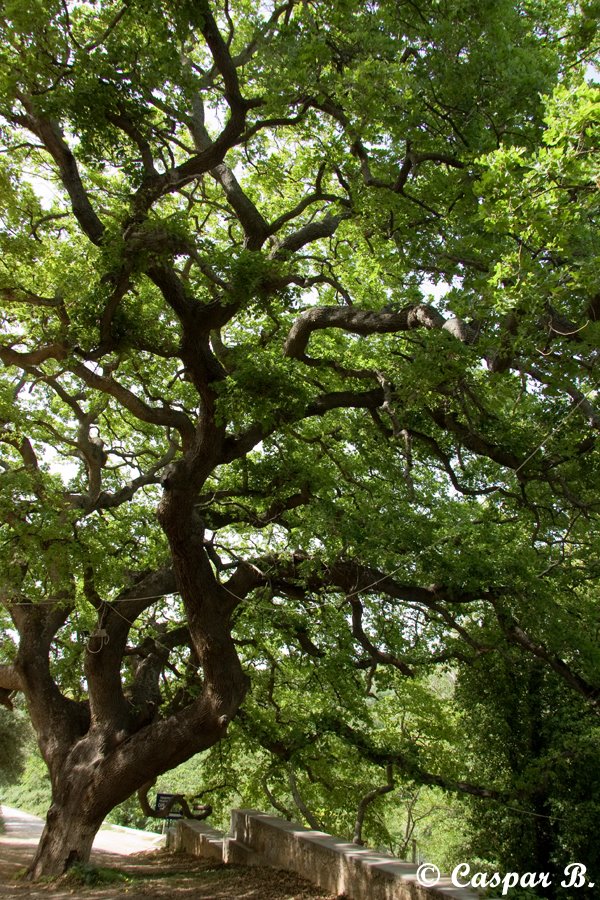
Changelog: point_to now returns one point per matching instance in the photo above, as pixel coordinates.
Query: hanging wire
(557, 427)
(110, 602)
(104, 639)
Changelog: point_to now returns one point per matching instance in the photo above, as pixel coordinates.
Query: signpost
(164, 804)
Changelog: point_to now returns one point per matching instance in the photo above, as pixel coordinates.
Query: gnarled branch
(365, 322)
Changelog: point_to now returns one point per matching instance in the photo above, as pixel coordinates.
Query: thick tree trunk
(100, 771)
(101, 752)
(67, 838)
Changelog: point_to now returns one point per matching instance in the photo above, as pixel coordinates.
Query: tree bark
(67, 838)
(99, 753)
(103, 769)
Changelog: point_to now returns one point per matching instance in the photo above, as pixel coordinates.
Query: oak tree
(299, 344)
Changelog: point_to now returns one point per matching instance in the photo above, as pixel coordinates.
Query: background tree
(13, 736)
(540, 746)
(221, 230)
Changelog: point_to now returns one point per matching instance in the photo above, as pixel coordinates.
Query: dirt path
(149, 875)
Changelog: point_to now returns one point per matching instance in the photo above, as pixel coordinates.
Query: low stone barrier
(336, 866)
(196, 838)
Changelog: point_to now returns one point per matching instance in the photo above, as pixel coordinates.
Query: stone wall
(338, 867)
(195, 838)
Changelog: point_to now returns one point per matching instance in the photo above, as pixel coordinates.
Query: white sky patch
(67, 469)
(45, 190)
(436, 291)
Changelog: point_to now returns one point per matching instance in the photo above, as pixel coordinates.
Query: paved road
(23, 831)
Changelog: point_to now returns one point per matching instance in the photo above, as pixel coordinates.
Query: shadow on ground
(150, 875)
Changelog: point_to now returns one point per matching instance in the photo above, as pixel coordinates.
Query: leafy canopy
(326, 271)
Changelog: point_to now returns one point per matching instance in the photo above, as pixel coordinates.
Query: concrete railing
(334, 865)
